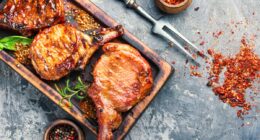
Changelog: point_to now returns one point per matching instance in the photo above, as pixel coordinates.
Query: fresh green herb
(10, 42)
(79, 90)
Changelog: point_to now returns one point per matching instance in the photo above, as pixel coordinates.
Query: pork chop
(122, 78)
(62, 48)
(28, 16)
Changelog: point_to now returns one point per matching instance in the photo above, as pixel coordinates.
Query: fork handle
(132, 4)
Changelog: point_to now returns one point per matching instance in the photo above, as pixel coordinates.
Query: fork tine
(167, 36)
(170, 27)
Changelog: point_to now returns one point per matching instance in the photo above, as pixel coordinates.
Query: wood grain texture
(164, 71)
(44, 88)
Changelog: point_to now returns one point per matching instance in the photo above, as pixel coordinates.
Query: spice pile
(88, 107)
(22, 53)
(194, 71)
(63, 132)
(240, 74)
(174, 2)
(84, 21)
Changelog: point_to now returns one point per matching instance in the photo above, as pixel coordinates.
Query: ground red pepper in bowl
(174, 2)
(173, 6)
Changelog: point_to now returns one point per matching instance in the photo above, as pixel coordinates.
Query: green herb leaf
(1, 46)
(80, 97)
(10, 42)
(70, 91)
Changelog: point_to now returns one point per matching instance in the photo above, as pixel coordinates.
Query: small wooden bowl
(63, 122)
(173, 9)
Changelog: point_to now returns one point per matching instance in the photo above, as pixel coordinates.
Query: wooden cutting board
(161, 72)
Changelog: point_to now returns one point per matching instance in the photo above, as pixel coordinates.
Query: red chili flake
(192, 67)
(241, 72)
(202, 43)
(210, 52)
(217, 34)
(195, 73)
(201, 54)
(194, 56)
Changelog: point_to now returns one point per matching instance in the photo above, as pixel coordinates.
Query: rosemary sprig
(79, 90)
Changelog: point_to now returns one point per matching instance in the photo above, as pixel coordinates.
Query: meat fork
(160, 27)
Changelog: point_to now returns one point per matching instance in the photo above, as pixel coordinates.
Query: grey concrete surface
(185, 108)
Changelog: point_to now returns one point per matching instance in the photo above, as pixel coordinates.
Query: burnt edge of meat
(33, 20)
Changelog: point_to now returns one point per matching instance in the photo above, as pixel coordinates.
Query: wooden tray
(161, 72)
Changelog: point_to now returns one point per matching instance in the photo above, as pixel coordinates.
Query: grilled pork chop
(61, 48)
(28, 16)
(122, 77)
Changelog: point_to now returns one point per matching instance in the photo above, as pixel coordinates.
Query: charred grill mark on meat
(62, 48)
(29, 16)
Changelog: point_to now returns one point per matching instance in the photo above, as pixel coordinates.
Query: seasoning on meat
(22, 53)
(241, 72)
(84, 21)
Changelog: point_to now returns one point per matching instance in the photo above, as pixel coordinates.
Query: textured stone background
(184, 109)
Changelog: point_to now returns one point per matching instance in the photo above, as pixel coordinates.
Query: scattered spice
(84, 21)
(88, 107)
(202, 43)
(194, 71)
(201, 54)
(22, 53)
(174, 2)
(63, 132)
(217, 34)
(241, 72)
(196, 9)
(196, 74)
